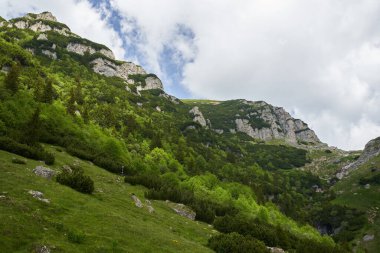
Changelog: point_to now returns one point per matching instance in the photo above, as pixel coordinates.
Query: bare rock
(43, 249)
(182, 210)
(50, 54)
(150, 209)
(171, 98)
(42, 36)
(44, 172)
(367, 238)
(137, 201)
(67, 169)
(198, 116)
(275, 250)
(38, 195)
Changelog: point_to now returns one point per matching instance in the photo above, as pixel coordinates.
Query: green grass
(200, 101)
(352, 194)
(106, 221)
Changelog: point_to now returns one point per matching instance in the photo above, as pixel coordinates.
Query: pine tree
(32, 130)
(12, 79)
(48, 94)
(71, 103)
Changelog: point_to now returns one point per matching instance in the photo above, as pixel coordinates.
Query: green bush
(75, 237)
(76, 180)
(236, 243)
(33, 152)
(18, 161)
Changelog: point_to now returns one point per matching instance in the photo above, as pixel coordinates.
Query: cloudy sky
(319, 59)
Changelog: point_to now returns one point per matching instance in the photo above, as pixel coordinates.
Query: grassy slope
(351, 193)
(108, 218)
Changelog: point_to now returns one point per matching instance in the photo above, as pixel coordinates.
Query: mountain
(106, 133)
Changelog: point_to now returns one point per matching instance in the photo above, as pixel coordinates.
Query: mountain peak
(43, 15)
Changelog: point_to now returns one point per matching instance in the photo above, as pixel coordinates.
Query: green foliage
(236, 243)
(76, 180)
(18, 161)
(76, 237)
(12, 79)
(370, 180)
(34, 152)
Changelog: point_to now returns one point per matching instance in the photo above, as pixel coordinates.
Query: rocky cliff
(259, 120)
(103, 63)
(371, 149)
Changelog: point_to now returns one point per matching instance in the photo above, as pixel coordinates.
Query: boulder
(38, 195)
(50, 54)
(275, 250)
(44, 172)
(137, 201)
(150, 209)
(67, 169)
(367, 238)
(182, 210)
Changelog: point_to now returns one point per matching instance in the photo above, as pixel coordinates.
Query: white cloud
(79, 15)
(320, 59)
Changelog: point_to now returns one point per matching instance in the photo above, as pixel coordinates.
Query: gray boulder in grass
(44, 172)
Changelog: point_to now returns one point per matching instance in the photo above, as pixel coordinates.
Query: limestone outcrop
(82, 49)
(198, 116)
(371, 149)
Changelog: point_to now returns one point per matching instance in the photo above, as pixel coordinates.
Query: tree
(48, 94)
(32, 129)
(71, 103)
(12, 79)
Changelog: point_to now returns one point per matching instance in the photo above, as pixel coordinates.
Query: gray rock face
(275, 250)
(198, 116)
(371, 149)
(51, 54)
(44, 172)
(108, 68)
(152, 83)
(171, 98)
(40, 26)
(281, 125)
(42, 36)
(43, 249)
(82, 49)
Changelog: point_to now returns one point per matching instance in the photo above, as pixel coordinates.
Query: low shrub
(33, 152)
(18, 161)
(76, 237)
(76, 180)
(236, 243)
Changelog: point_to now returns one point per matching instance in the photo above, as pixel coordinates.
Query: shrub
(236, 243)
(75, 237)
(76, 180)
(33, 152)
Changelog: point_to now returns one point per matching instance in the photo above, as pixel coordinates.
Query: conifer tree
(12, 79)
(48, 94)
(32, 130)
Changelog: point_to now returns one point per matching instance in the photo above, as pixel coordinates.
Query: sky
(319, 59)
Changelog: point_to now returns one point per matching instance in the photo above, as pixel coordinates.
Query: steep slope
(60, 89)
(258, 120)
(360, 188)
(76, 222)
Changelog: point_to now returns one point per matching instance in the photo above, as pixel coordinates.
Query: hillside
(258, 177)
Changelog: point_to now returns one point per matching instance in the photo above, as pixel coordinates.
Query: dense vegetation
(226, 179)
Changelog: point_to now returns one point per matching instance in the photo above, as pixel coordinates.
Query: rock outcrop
(82, 49)
(137, 201)
(198, 116)
(35, 22)
(182, 210)
(151, 83)
(280, 125)
(38, 195)
(44, 172)
(371, 149)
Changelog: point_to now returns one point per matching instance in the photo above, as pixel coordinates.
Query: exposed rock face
(371, 149)
(281, 125)
(276, 250)
(40, 25)
(44, 172)
(82, 49)
(52, 55)
(198, 116)
(42, 36)
(171, 98)
(108, 68)
(152, 83)
(46, 16)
